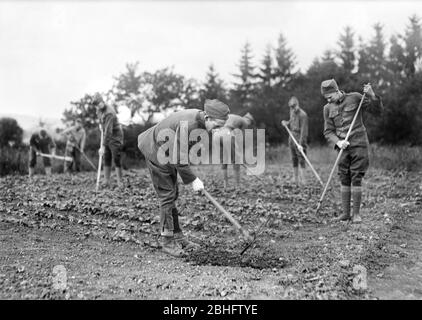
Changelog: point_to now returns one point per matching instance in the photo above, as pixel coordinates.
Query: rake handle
(86, 158)
(340, 153)
(304, 156)
(100, 160)
(226, 214)
(55, 157)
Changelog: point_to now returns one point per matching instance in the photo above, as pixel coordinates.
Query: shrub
(13, 160)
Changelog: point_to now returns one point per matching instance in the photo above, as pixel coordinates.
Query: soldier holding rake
(75, 144)
(354, 162)
(164, 175)
(113, 139)
(40, 142)
(298, 124)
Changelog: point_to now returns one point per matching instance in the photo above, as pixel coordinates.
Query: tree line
(393, 66)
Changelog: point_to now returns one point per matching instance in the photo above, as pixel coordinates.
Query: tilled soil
(106, 242)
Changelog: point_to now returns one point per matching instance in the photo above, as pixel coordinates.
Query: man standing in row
(298, 125)
(75, 144)
(113, 139)
(233, 122)
(164, 174)
(40, 142)
(354, 162)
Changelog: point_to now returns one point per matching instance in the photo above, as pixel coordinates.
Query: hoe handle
(304, 156)
(227, 215)
(339, 154)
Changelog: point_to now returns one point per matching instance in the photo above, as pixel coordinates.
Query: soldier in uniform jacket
(354, 162)
(298, 125)
(112, 147)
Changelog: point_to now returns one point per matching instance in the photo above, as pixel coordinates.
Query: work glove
(197, 185)
(284, 123)
(342, 144)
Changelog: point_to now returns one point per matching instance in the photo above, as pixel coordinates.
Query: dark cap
(96, 99)
(328, 86)
(216, 109)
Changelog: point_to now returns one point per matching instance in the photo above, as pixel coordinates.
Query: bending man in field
(75, 144)
(354, 162)
(228, 148)
(298, 125)
(164, 173)
(40, 142)
(113, 139)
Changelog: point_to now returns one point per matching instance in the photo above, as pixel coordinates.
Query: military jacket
(298, 124)
(113, 132)
(149, 144)
(338, 117)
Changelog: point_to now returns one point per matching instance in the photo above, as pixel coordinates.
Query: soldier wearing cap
(164, 175)
(75, 144)
(40, 142)
(113, 138)
(298, 124)
(354, 162)
(233, 122)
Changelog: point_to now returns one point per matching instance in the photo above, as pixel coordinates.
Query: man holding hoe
(164, 175)
(112, 139)
(40, 144)
(354, 161)
(75, 145)
(298, 124)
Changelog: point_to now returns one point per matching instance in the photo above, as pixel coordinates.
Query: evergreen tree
(242, 95)
(285, 63)
(413, 45)
(372, 66)
(266, 73)
(396, 60)
(214, 86)
(347, 52)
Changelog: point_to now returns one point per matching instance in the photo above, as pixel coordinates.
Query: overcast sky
(55, 52)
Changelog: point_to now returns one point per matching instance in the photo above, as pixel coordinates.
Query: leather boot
(183, 241)
(357, 199)
(107, 174)
(345, 203)
(169, 245)
(48, 171)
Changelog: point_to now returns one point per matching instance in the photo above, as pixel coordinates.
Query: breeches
(353, 164)
(113, 150)
(164, 180)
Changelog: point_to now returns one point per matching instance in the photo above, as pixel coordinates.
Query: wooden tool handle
(226, 214)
